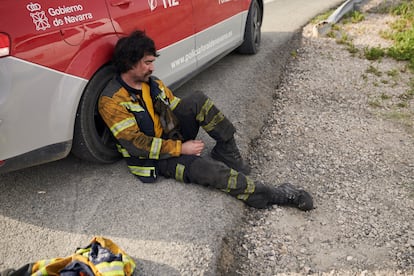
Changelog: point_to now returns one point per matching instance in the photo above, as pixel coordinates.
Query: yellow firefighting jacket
(130, 116)
(101, 257)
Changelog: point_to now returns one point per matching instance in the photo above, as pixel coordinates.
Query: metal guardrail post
(324, 26)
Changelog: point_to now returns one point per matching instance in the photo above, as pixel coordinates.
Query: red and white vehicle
(54, 63)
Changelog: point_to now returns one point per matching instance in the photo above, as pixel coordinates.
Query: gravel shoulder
(337, 130)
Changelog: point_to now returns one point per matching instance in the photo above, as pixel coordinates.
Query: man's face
(143, 69)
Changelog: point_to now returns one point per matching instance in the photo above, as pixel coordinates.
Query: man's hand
(192, 147)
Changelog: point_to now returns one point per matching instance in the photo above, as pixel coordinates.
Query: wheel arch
(88, 64)
(86, 67)
(92, 56)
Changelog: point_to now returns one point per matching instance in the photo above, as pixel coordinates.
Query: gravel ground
(337, 130)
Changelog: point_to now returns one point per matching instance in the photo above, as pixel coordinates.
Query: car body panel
(48, 32)
(57, 46)
(47, 102)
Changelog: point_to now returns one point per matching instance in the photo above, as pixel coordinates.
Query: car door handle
(116, 3)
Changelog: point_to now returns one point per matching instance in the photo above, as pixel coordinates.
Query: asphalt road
(168, 227)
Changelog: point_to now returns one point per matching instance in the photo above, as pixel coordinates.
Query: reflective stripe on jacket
(101, 257)
(130, 116)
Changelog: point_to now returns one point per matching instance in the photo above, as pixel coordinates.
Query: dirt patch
(337, 130)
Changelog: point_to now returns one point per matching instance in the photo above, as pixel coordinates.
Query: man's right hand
(192, 147)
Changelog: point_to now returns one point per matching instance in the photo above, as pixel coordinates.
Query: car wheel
(252, 32)
(92, 139)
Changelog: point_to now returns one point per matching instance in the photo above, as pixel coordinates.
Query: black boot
(228, 153)
(288, 195)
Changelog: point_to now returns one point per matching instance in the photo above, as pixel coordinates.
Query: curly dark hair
(129, 50)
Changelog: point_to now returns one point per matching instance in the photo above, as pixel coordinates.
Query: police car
(55, 61)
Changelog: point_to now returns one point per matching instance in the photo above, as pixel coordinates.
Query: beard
(143, 78)
(147, 76)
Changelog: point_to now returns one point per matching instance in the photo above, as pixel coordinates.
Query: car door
(128, 15)
(172, 27)
(169, 23)
(218, 27)
(53, 28)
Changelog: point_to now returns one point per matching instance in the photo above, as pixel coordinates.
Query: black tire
(252, 32)
(92, 139)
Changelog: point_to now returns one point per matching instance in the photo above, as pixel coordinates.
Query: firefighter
(156, 132)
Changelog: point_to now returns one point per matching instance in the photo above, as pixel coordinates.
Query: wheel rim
(256, 24)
